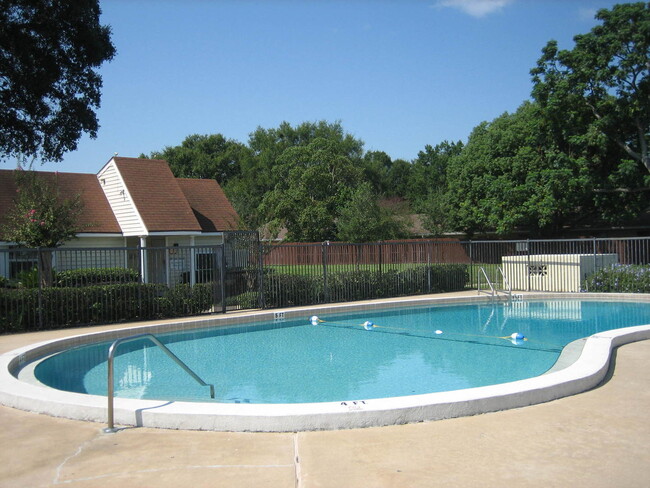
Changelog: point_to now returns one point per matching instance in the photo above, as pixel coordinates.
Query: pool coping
(581, 371)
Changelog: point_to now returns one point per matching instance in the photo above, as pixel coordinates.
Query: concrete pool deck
(595, 439)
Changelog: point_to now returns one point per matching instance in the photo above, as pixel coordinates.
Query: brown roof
(97, 216)
(165, 203)
(157, 196)
(211, 207)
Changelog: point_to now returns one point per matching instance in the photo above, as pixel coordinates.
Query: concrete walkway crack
(80, 449)
(296, 460)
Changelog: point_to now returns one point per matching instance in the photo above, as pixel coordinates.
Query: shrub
(619, 278)
(289, 290)
(449, 277)
(183, 299)
(249, 299)
(95, 276)
(98, 304)
(27, 279)
(362, 285)
(281, 290)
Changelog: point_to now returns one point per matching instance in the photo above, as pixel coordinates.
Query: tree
(362, 219)
(602, 85)
(428, 174)
(272, 148)
(517, 173)
(49, 85)
(205, 157)
(507, 178)
(376, 170)
(399, 174)
(314, 183)
(41, 217)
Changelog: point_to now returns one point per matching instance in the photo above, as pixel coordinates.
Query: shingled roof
(211, 207)
(157, 195)
(97, 216)
(165, 203)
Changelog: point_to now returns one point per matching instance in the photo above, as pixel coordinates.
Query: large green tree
(50, 52)
(602, 85)
(376, 170)
(506, 178)
(428, 175)
(517, 173)
(205, 157)
(363, 219)
(314, 182)
(274, 148)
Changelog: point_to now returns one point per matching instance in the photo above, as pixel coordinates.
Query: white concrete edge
(585, 373)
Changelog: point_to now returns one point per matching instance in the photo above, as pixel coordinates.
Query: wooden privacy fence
(374, 253)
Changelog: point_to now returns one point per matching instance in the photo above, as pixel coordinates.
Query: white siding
(94, 241)
(91, 252)
(208, 240)
(120, 201)
(4, 261)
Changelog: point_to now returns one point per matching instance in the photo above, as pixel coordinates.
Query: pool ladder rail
(111, 373)
(493, 291)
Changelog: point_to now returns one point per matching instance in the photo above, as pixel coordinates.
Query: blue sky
(397, 74)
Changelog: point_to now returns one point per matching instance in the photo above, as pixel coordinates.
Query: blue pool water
(295, 362)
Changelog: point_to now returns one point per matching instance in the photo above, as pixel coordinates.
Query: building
(131, 203)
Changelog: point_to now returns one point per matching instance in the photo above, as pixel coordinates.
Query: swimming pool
(337, 363)
(406, 351)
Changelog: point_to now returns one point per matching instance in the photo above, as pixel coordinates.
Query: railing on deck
(112, 350)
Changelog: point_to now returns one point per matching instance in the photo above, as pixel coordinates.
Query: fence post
(223, 277)
(527, 270)
(39, 264)
(141, 281)
(326, 293)
(471, 265)
(429, 266)
(260, 271)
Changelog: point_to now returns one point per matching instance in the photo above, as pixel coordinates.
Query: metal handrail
(111, 386)
(482, 270)
(493, 291)
(506, 283)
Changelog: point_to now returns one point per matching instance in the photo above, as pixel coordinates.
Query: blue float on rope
(368, 325)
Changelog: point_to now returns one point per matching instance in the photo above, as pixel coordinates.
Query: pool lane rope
(516, 338)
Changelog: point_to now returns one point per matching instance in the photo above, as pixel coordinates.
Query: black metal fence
(47, 288)
(63, 287)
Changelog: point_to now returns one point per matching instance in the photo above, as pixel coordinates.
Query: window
(21, 260)
(205, 264)
(537, 270)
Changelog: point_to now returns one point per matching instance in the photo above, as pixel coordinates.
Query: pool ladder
(111, 374)
(494, 292)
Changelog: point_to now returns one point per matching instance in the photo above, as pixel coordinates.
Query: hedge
(76, 306)
(95, 276)
(619, 278)
(283, 290)
(98, 303)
